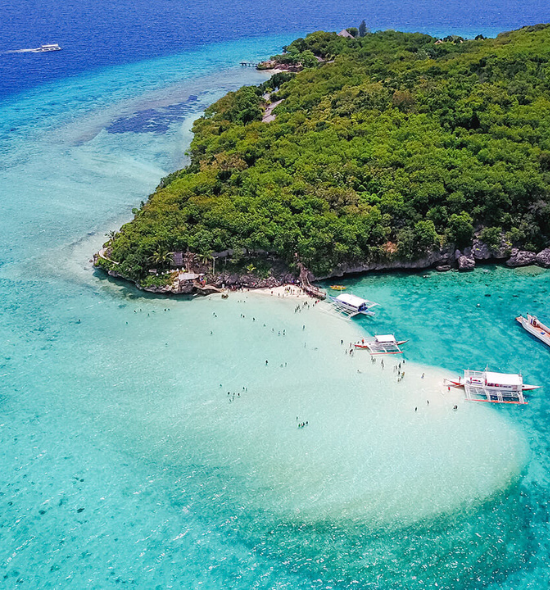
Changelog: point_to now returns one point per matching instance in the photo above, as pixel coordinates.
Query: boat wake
(19, 51)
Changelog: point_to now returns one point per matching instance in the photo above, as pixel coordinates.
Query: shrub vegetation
(392, 146)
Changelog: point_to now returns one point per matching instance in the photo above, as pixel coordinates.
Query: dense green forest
(389, 146)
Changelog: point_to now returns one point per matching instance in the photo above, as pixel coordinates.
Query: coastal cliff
(390, 151)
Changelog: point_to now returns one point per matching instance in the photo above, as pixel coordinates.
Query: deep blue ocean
(145, 442)
(97, 34)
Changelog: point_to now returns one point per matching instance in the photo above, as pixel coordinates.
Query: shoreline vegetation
(363, 151)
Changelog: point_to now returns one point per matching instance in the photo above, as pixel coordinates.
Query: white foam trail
(21, 51)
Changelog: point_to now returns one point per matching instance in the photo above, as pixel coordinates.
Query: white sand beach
(285, 291)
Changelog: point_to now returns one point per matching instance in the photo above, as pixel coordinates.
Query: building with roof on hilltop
(346, 34)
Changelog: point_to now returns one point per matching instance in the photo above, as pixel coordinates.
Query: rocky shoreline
(446, 259)
(201, 280)
(223, 282)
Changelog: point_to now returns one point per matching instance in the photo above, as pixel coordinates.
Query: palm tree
(161, 257)
(206, 258)
(111, 235)
(189, 260)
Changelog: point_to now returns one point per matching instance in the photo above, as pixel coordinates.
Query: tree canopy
(390, 146)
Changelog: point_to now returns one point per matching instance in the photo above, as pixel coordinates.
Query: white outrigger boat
(383, 344)
(533, 326)
(351, 305)
(497, 388)
(47, 47)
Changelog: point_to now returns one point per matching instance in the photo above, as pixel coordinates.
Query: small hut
(346, 34)
(177, 259)
(186, 282)
(187, 276)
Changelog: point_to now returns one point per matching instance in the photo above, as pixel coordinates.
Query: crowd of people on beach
(397, 368)
(301, 307)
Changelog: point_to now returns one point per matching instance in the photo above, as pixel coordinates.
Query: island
(388, 150)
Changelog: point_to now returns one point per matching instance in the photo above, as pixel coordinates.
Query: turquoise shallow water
(75, 151)
(124, 448)
(461, 321)
(124, 459)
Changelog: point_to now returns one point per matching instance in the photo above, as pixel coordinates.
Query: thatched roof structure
(344, 33)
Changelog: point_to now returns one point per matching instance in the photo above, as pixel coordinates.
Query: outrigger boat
(383, 344)
(351, 305)
(497, 388)
(338, 287)
(47, 47)
(533, 326)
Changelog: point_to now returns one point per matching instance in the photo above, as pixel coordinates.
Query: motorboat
(536, 328)
(47, 47)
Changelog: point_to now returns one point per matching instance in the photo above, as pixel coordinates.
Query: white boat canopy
(503, 378)
(385, 339)
(354, 301)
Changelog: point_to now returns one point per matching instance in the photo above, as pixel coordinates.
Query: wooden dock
(310, 289)
(314, 291)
